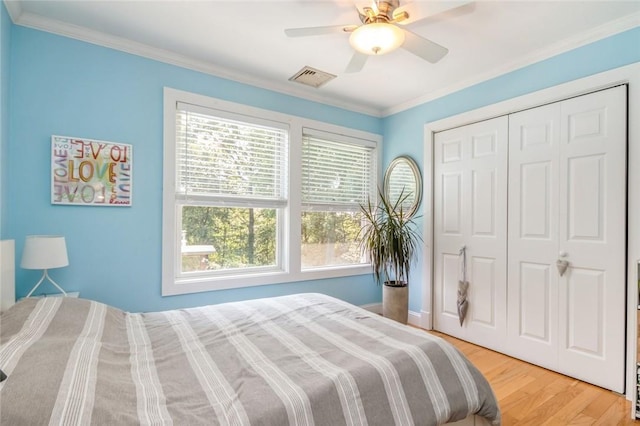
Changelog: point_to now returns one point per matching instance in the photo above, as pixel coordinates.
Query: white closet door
(567, 201)
(470, 195)
(592, 235)
(534, 139)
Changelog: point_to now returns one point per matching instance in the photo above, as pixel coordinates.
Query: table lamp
(44, 252)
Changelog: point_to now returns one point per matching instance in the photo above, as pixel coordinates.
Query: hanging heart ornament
(463, 303)
(562, 266)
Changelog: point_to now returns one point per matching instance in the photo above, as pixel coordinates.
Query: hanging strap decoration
(463, 286)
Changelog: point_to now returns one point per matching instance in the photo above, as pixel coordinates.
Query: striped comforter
(294, 360)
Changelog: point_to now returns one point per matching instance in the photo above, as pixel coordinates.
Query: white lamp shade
(44, 252)
(376, 38)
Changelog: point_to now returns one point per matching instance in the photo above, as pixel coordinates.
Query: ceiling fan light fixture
(376, 38)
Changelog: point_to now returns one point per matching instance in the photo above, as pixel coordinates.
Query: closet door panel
(584, 313)
(470, 198)
(534, 288)
(483, 203)
(452, 204)
(593, 237)
(585, 198)
(450, 272)
(449, 227)
(533, 244)
(482, 296)
(535, 200)
(487, 232)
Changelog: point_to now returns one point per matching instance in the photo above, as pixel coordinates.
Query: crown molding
(118, 43)
(14, 9)
(595, 34)
(166, 56)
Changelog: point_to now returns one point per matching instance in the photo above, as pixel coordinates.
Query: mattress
(305, 359)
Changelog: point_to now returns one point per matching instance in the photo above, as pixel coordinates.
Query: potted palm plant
(389, 238)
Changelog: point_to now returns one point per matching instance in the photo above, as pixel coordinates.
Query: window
(338, 174)
(255, 197)
(231, 190)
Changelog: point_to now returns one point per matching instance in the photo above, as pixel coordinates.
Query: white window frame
(173, 282)
(311, 206)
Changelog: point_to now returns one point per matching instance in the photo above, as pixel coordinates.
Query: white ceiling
(245, 41)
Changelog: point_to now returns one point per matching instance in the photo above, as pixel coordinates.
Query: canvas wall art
(90, 172)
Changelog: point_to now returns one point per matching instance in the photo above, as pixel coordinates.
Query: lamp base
(46, 275)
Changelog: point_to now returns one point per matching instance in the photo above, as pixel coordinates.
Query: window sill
(202, 284)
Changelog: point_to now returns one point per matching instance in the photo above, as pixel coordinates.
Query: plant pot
(395, 301)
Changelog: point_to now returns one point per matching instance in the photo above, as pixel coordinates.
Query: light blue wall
(67, 87)
(63, 86)
(404, 132)
(5, 40)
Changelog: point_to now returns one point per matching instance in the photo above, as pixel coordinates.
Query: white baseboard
(426, 320)
(415, 319)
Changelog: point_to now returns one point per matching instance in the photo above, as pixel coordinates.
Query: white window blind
(336, 174)
(229, 158)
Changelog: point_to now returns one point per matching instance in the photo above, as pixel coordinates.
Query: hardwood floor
(530, 395)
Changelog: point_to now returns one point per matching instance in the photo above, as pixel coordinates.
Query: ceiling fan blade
(314, 31)
(426, 49)
(374, 8)
(419, 10)
(356, 63)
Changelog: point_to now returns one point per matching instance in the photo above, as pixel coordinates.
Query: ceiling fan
(379, 33)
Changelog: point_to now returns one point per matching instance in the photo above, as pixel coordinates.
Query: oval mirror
(403, 177)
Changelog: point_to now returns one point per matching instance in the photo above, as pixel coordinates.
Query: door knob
(563, 254)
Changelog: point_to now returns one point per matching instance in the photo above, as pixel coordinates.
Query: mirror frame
(404, 159)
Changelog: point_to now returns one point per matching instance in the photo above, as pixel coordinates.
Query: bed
(306, 359)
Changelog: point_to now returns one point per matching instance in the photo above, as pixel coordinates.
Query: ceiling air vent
(312, 77)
